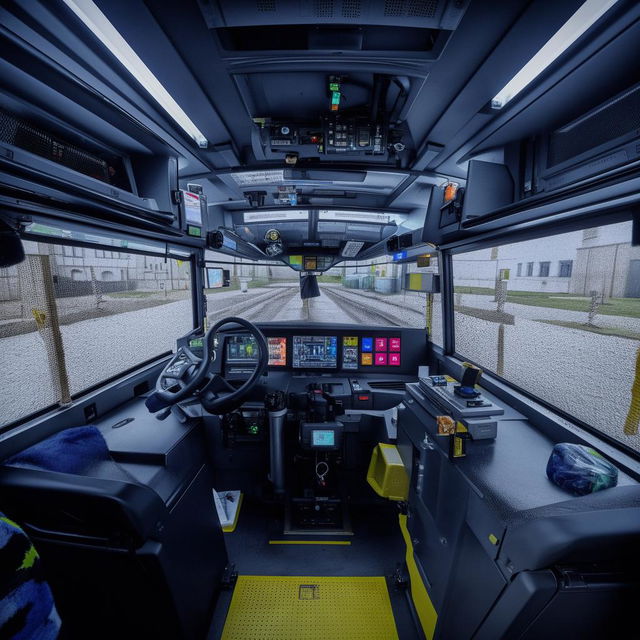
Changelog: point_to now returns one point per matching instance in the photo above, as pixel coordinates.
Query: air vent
(323, 8)
(614, 119)
(420, 9)
(265, 6)
(32, 138)
(351, 8)
(412, 8)
(394, 385)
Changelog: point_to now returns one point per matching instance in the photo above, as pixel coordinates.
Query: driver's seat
(121, 562)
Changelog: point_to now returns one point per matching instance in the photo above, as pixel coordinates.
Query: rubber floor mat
(308, 608)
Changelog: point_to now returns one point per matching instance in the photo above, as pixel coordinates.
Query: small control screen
(315, 351)
(350, 352)
(323, 438)
(245, 349)
(277, 351)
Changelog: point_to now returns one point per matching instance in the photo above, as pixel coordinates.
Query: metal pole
(40, 294)
(500, 364)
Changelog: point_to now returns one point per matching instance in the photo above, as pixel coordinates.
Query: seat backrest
(27, 609)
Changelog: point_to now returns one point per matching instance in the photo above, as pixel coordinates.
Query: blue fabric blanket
(70, 451)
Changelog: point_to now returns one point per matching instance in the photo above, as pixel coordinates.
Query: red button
(363, 398)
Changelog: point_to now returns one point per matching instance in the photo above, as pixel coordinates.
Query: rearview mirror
(217, 277)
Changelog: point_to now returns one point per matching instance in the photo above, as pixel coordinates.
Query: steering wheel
(186, 374)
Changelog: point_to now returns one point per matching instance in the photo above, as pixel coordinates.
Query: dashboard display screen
(315, 352)
(277, 352)
(244, 348)
(350, 352)
(323, 438)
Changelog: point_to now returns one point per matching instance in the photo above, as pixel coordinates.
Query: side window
(72, 321)
(570, 337)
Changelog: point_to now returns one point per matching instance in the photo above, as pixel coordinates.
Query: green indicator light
(253, 429)
(194, 231)
(335, 97)
(334, 86)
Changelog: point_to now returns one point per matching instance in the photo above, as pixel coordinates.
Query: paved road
(547, 360)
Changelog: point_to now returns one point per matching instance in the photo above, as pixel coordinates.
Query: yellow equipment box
(387, 475)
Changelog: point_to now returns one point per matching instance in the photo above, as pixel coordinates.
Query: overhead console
(334, 134)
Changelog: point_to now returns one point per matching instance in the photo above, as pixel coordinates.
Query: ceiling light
(100, 26)
(587, 15)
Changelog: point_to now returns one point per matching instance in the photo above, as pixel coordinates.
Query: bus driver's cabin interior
(319, 319)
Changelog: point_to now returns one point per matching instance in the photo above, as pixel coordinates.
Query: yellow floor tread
(310, 608)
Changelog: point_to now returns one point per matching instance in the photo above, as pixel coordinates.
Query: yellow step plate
(308, 608)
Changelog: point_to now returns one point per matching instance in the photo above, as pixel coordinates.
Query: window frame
(195, 257)
(561, 263)
(544, 266)
(507, 236)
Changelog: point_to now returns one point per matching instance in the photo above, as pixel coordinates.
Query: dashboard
(364, 367)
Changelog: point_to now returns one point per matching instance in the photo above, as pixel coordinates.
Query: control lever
(275, 403)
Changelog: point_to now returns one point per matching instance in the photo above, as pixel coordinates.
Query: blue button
(367, 344)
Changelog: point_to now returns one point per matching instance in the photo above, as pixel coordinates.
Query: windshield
(363, 293)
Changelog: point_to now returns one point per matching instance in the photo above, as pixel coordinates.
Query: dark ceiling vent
(413, 8)
(35, 139)
(323, 8)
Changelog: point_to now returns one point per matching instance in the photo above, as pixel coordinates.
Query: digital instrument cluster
(243, 348)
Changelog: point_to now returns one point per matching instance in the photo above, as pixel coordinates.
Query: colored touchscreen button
(394, 359)
(367, 344)
(394, 344)
(381, 359)
(366, 359)
(381, 344)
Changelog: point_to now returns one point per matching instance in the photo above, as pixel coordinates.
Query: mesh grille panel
(265, 5)
(614, 119)
(351, 8)
(422, 8)
(323, 8)
(394, 7)
(32, 138)
(413, 8)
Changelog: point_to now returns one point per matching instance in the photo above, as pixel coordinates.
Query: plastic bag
(580, 470)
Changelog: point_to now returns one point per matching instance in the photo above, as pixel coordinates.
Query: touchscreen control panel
(311, 352)
(379, 351)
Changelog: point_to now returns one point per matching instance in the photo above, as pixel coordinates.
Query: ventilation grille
(30, 137)
(351, 8)
(412, 8)
(323, 8)
(395, 385)
(265, 6)
(612, 120)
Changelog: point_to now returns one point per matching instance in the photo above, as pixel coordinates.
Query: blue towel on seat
(70, 451)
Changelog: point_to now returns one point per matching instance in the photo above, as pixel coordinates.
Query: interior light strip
(100, 26)
(585, 17)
